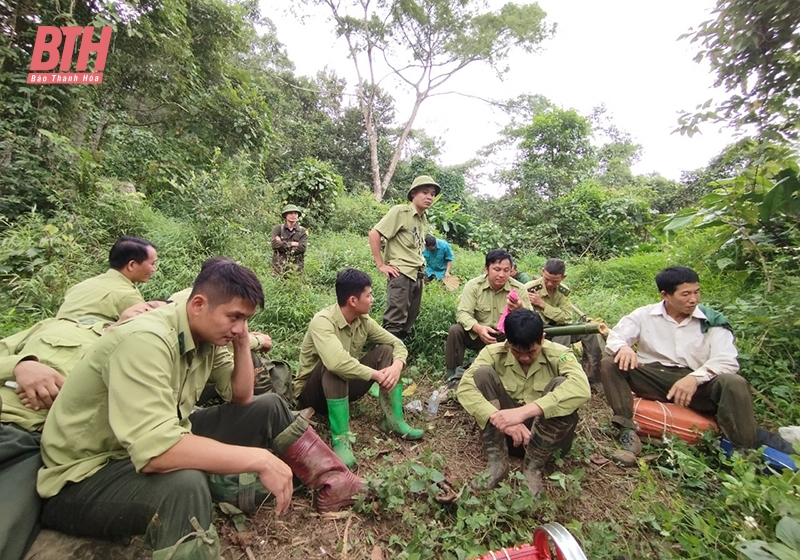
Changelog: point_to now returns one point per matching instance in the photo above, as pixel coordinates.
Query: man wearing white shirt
(685, 354)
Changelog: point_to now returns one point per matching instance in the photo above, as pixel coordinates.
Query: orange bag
(658, 418)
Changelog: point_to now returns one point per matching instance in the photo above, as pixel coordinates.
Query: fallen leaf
(598, 459)
(377, 553)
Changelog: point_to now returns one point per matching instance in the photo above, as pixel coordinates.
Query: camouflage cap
(423, 181)
(290, 208)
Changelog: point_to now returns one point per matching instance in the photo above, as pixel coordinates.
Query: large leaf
(788, 531)
(681, 220)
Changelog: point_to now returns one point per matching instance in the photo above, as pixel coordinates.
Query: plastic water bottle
(433, 405)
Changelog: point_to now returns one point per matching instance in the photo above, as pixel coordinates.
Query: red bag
(656, 419)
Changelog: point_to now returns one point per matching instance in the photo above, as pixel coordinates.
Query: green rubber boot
(339, 416)
(392, 406)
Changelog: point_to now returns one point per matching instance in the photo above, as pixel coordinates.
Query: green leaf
(788, 531)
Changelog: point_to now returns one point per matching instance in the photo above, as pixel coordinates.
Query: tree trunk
(398, 149)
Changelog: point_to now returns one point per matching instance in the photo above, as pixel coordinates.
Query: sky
(624, 54)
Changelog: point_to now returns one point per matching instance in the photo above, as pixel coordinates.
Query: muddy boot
(339, 416)
(547, 436)
(392, 406)
(629, 447)
(494, 444)
(319, 468)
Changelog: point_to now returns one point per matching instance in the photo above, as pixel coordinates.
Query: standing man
(438, 258)
(289, 242)
(524, 394)
(131, 260)
(684, 354)
(125, 453)
(330, 375)
(550, 299)
(403, 227)
(482, 302)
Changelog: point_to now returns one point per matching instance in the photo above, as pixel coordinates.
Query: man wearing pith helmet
(403, 228)
(289, 242)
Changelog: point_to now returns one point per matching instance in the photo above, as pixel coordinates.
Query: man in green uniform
(289, 242)
(37, 361)
(524, 393)
(403, 228)
(330, 374)
(482, 302)
(518, 275)
(125, 454)
(131, 260)
(550, 299)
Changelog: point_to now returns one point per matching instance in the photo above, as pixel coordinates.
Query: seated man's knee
(385, 351)
(608, 366)
(455, 330)
(734, 383)
(186, 489)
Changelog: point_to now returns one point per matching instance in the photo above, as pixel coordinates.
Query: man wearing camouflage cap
(289, 242)
(403, 228)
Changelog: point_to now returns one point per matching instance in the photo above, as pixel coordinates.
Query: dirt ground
(303, 533)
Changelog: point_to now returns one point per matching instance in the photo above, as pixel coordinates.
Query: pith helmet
(290, 208)
(422, 181)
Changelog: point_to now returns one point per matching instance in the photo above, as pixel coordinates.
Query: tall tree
(422, 44)
(752, 47)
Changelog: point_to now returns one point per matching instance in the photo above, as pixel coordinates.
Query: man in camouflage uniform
(550, 299)
(403, 228)
(289, 242)
(524, 393)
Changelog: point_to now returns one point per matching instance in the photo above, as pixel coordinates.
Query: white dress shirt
(661, 339)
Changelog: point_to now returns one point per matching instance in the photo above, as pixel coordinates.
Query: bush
(356, 213)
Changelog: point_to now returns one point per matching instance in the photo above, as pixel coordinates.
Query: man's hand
(278, 238)
(683, 390)
(519, 434)
(389, 271)
(485, 333)
(388, 377)
(504, 419)
(536, 300)
(294, 244)
(276, 477)
(447, 274)
(266, 341)
(39, 384)
(626, 358)
(513, 304)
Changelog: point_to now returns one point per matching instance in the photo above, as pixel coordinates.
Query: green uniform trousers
(403, 301)
(323, 384)
(726, 397)
(118, 502)
(554, 433)
(20, 460)
(458, 340)
(593, 347)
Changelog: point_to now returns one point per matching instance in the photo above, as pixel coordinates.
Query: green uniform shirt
(554, 361)
(404, 230)
(522, 277)
(130, 396)
(59, 344)
(557, 309)
(105, 296)
(480, 304)
(330, 340)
